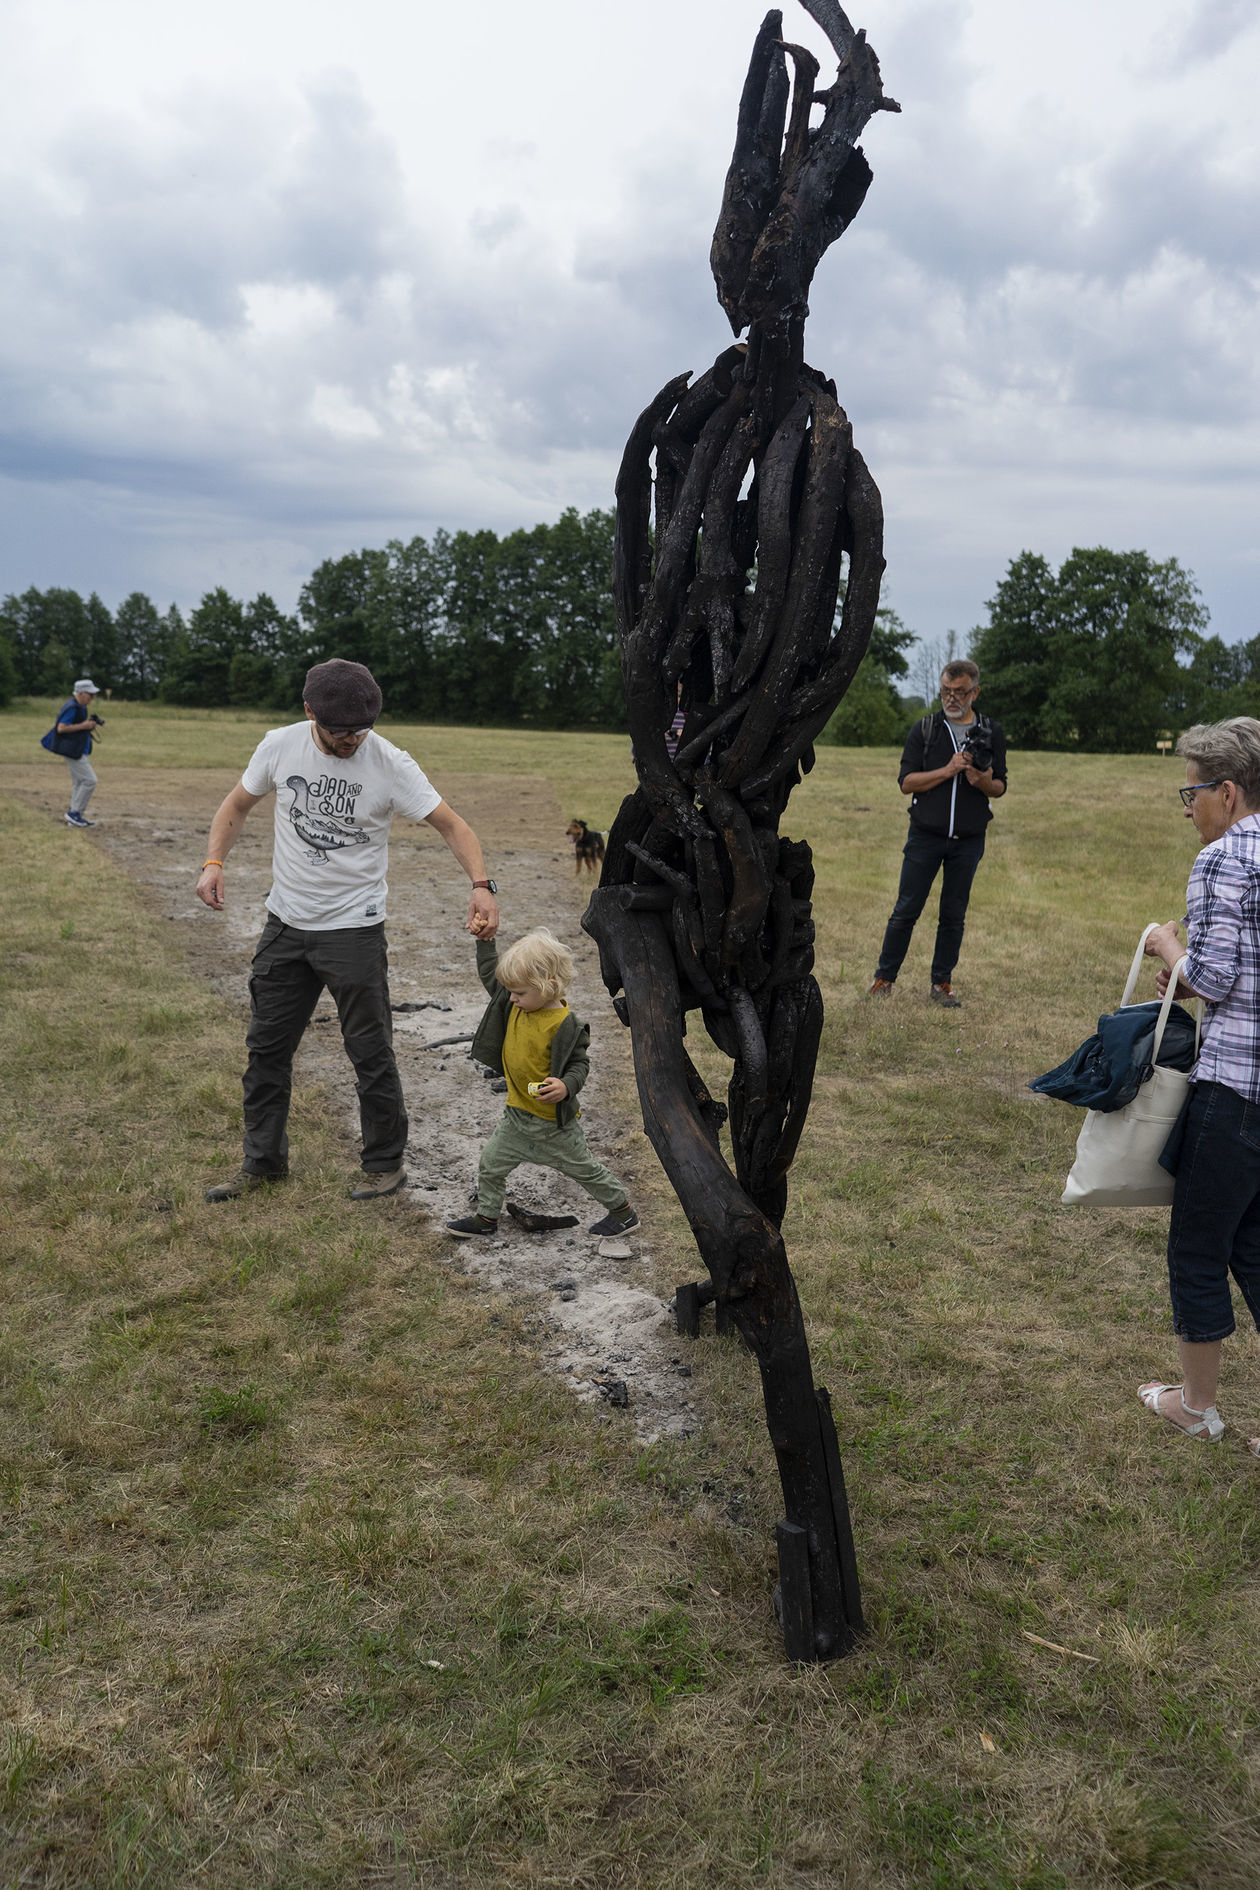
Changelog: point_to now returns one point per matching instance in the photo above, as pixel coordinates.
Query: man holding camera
(952, 766)
(72, 740)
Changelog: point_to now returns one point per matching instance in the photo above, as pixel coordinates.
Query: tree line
(462, 627)
(1109, 653)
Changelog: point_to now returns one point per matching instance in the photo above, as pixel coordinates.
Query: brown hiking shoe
(944, 994)
(882, 987)
(242, 1182)
(379, 1187)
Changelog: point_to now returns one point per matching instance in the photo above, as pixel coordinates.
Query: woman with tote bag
(1215, 1225)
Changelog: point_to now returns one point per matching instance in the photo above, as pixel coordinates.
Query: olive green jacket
(570, 1047)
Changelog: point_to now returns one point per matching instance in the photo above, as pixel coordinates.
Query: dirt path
(599, 1321)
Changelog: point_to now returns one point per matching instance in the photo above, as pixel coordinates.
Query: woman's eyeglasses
(1188, 793)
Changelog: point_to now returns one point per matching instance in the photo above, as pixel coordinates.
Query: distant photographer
(72, 740)
(952, 766)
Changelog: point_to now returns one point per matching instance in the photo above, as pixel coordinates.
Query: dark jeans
(289, 971)
(1215, 1225)
(925, 855)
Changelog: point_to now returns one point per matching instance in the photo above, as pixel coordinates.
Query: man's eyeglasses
(343, 734)
(1188, 793)
(957, 695)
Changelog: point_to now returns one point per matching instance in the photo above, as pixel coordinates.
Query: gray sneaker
(242, 1182)
(379, 1187)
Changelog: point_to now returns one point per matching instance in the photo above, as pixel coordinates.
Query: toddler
(530, 1036)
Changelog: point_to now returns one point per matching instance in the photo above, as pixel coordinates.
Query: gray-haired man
(72, 739)
(953, 766)
(338, 785)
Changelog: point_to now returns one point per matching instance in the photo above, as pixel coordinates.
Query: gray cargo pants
(290, 970)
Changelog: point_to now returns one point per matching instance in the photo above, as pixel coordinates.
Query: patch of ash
(595, 1316)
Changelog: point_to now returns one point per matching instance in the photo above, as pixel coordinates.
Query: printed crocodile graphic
(321, 835)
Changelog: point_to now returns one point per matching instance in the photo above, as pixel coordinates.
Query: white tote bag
(1117, 1152)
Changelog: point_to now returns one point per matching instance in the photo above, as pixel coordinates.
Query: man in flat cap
(337, 785)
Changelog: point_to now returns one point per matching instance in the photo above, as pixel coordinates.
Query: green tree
(1016, 649)
(1220, 680)
(477, 668)
(339, 609)
(8, 670)
(1089, 657)
(50, 633)
(552, 617)
(406, 606)
(198, 672)
(143, 650)
(101, 656)
(229, 652)
(872, 713)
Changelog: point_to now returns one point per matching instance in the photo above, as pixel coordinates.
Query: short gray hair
(962, 666)
(1227, 751)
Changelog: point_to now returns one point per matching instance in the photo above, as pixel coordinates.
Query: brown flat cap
(342, 694)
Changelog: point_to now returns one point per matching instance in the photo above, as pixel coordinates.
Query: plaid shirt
(1223, 929)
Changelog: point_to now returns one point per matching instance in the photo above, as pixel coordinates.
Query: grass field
(309, 1576)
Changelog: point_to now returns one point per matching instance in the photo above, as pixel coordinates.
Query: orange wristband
(206, 863)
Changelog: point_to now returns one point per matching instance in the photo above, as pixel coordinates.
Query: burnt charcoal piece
(531, 1223)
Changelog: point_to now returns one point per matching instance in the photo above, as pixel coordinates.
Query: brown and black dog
(588, 846)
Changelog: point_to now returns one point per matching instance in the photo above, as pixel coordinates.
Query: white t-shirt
(332, 824)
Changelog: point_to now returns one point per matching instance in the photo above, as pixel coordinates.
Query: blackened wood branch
(751, 478)
(834, 22)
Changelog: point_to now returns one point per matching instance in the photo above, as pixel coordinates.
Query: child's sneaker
(617, 1221)
(470, 1225)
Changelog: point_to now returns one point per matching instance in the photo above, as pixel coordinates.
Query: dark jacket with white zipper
(570, 1047)
(953, 808)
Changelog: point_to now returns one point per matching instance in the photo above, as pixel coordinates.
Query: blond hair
(537, 962)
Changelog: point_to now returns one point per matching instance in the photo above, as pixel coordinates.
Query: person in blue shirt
(75, 728)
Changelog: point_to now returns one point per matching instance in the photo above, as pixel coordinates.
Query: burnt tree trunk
(742, 503)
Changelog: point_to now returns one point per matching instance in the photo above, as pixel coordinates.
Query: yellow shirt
(527, 1056)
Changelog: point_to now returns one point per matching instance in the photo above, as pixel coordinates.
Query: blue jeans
(1215, 1225)
(927, 854)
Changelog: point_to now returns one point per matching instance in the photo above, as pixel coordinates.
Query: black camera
(979, 749)
(98, 719)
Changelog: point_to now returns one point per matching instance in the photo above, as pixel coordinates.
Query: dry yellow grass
(308, 1576)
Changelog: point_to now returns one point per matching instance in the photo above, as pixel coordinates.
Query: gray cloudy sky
(278, 280)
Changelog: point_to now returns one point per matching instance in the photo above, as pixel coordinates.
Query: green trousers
(521, 1138)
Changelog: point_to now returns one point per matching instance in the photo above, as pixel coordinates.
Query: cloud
(1211, 28)
(245, 317)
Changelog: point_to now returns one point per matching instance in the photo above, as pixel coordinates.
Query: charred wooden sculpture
(741, 504)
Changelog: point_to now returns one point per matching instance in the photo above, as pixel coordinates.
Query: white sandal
(1209, 1427)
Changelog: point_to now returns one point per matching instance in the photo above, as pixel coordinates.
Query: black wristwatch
(486, 885)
